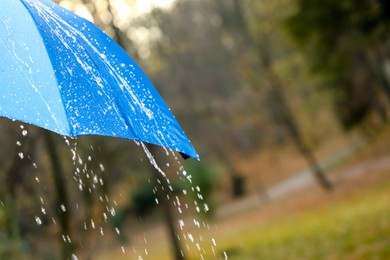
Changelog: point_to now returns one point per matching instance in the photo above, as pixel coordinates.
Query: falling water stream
(190, 229)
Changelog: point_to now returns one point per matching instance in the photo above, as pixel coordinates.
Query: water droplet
(112, 211)
(181, 224)
(21, 155)
(38, 220)
(190, 237)
(24, 132)
(63, 208)
(98, 80)
(18, 143)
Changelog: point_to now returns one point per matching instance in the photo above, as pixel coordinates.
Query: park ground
(350, 222)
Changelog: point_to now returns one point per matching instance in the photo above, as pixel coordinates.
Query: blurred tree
(258, 54)
(349, 44)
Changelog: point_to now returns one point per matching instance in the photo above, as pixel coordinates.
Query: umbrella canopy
(60, 72)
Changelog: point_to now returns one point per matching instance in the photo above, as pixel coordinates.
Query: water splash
(89, 179)
(194, 239)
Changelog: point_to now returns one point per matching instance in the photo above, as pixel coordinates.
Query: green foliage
(204, 180)
(345, 43)
(144, 199)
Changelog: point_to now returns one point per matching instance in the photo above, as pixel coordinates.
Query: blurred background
(286, 102)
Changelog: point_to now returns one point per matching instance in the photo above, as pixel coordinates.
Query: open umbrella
(60, 72)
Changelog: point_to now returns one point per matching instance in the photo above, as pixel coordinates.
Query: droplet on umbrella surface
(21, 155)
(63, 208)
(98, 80)
(24, 132)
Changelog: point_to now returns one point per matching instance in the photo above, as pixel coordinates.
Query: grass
(352, 222)
(357, 227)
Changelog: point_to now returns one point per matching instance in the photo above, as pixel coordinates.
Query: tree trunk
(165, 199)
(62, 198)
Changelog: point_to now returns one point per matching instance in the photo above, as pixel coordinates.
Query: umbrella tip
(185, 156)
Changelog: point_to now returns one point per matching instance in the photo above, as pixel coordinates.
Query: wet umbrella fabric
(60, 72)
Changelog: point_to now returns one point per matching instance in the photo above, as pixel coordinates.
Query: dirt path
(304, 178)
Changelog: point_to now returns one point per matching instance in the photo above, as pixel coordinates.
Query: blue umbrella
(60, 72)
